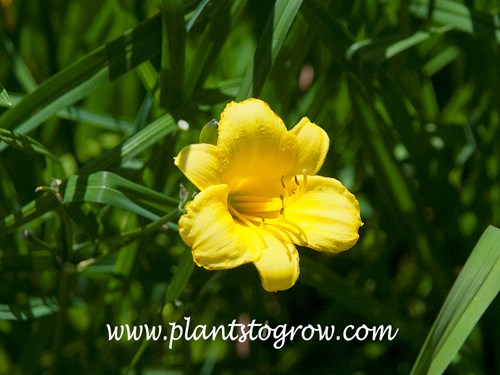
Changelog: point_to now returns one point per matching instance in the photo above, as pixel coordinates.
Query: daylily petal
(278, 265)
(327, 214)
(217, 241)
(254, 148)
(199, 164)
(313, 145)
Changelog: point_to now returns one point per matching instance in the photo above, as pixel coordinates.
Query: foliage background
(91, 95)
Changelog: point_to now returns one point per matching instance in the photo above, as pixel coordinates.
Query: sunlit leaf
(459, 16)
(181, 277)
(4, 96)
(21, 71)
(109, 188)
(273, 36)
(384, 48)
(106, 63)
(474, 290)
(24, 143)
(129, 149)
(35, 307)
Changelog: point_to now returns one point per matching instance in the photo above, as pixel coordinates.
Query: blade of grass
(4, 96)
(126, 260)
(133, 146)
(474, 290)
(384, 48)
(24, 143)
(181, 277)
(328, 29)
(354, 299)
(35, 307)
(129, 149)
(36, 208)
(401, 193)
(148, 75)
(101, 120)
(173, 53)
(459, 16)
(21, 71)
(443, 58)
(376, 145)
(212, 41)
(109, 188)
(84, 76)
(277, 26)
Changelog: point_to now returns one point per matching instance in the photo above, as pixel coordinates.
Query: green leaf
(35, 307)
(353, 299)
(277, 26)
(105, 64)
(124, 152)
(30, 211)
(449, 12)
(24, 143)
(126, 260)
(404, 198)
(473, 291)
(212, 40)
(328, 29)
(173, 53)
(110, 188)
(443, 58)
(381, 49)
(101, 120)
(21, 71)
(181, 277)
(377, 147)
(4, 96)
(133, 146)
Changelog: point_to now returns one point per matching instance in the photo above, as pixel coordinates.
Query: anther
(282, 183)
(296, 180)
(282, 209)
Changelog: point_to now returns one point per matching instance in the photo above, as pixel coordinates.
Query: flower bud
(209, 133)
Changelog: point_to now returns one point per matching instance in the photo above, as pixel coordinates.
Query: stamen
(244, 220)
(282, 183)
(291, 230)
(282, 209)
(299, 192)
(241, 217)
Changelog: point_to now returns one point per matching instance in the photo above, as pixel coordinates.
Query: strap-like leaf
(277, 26)
(84, 76)
(127, 150)
(4, 96)
(35, 308)
(474, 290)
(450, 12)
(110, 188)
(24, 143)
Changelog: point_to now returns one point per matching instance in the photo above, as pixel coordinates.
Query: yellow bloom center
(260, 212)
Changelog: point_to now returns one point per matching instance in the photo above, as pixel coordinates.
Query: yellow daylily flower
(260, 196)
